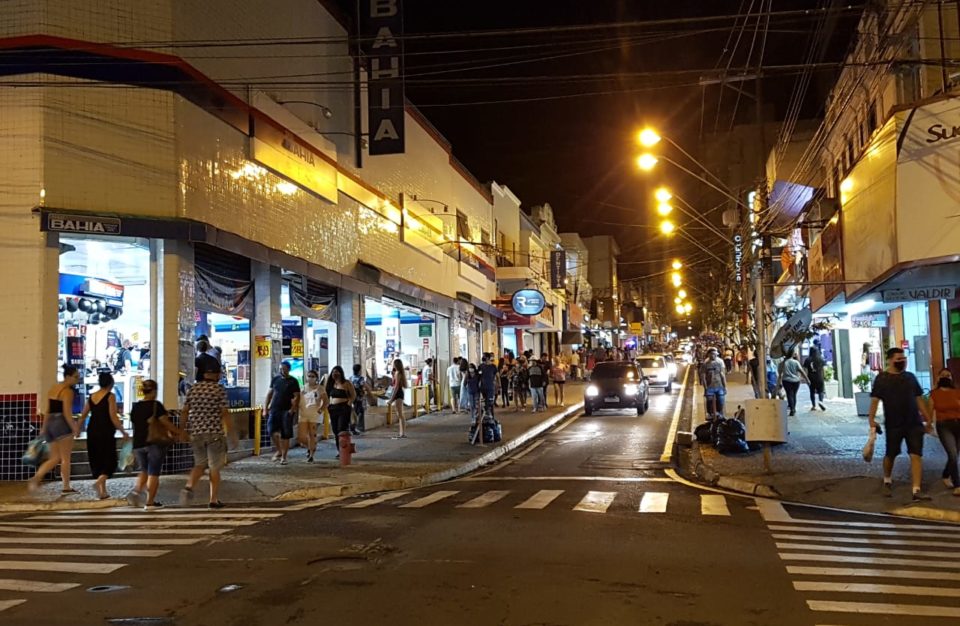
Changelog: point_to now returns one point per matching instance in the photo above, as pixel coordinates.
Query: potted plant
(830, 383)
(862, 396)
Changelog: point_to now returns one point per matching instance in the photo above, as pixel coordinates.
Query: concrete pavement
(435, 449)
(821, 462)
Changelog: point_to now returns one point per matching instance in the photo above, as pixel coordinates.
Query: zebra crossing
(45, 553)
(649, 502)
(850, 573)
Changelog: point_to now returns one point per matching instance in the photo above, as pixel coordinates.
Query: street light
(680, 309)
(648, 138)
(667, 227)
(677, 279)
(664, 209)
(677, 301)
(662, 194)
(683, 294)
(646, 161)
(677, 264)
(687, 307)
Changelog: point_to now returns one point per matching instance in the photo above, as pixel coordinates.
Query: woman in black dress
(101, 433)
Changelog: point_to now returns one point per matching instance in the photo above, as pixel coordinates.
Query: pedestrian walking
(506, 372)
(489, 381)
(906, 418)
(791, 375)
(361, 384)
(101, 407)
(714, 380)
(399, 385)
(521, 385)
(728, 359)
(558, 376)
(153, 434)
(59, 429)
(283, 401)
(536, 377)
(342, 394)
(575, 365)
(464, 367)
(946, 412)
(207, 419)
(471, 391)
(313, 402)
(428, 380)
(814, 366)
(455, 380)
(754, 372)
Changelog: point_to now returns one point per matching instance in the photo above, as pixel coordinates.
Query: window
(463, 227)
(871, 119)
(485, 238)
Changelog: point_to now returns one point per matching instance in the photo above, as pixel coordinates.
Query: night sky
(566, 133)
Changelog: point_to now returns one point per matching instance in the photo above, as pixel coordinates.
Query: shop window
(309, 341)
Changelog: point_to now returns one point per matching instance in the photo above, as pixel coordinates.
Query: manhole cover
(617, 461)
(107, 588)
(340, 563)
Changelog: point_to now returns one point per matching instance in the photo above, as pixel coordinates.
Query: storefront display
(405, 332)
(309, 326)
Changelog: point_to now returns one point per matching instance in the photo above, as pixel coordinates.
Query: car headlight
(592, 391)
(631, 390)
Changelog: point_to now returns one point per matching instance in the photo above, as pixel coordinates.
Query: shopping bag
(36, 453)
(126, 455)
(870, 445)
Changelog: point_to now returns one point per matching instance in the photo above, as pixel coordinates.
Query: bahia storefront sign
(381, 39)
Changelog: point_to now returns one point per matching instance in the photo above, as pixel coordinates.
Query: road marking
(35, 586)
(878, 551)
(856, 531)
(871, 573)
(596, 501)
(306, 505)
(530, 448)
(675, 422)
(169, 510)
(930, 527)
(615, 479)
(118, 531)
(914, 610)
(713, 505)
(164, 517)
(871, 541)
(772, 510)
(575, 417)
(484, 500)
(134, 523)
(81, 552)
(62, 566)
(385, 497)
(675, 477)
(112, 541)
(9, 604)
(837, 558)
(654, 502)
(436, 496)
(540, 499)
(899, 590)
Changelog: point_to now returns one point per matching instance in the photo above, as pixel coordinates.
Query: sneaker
(888, 490)
(276, 457)
(822, 408)
(813, 408)
(919, 496)
(216, 505)
(186, 495)
(133, 498)
(283, 461)
(156, 504)
(309, 458)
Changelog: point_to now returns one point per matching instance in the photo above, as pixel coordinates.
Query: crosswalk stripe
(9, 604)
(879, 551)
(654, 502)
(62, 566)
(112, 541)
(117, 531)
(162, 517)
(838, 558)
(900, 590)
(436, 496)
(915, 610)
(540, 499)
(134, 523)
(80, 552)
(871, 573)
(871, 541)
(596, 501)
(483, 500)
(713, 504)
(362, 504)
(818, 522)
(868, 532)
(34, 586)
(166, 511)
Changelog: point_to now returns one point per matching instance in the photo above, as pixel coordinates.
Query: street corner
(14, 498)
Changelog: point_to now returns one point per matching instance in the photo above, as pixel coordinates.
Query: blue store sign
(528, 302)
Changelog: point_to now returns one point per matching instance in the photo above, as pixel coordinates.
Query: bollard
(257, 423)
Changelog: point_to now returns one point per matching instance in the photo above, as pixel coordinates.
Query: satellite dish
(791, 333)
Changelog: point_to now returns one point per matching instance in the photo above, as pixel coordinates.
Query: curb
(392, 484)
(924, 513)
(78, 505)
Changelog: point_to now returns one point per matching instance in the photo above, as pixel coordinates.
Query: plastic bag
(702, 432)
(870, 445)
(36, 453)
(126, 455)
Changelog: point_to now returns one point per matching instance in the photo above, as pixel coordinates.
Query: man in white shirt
(575, 365)
(428, 380)
(455, 379)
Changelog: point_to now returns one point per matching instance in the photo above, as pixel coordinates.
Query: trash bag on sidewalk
(870, 446)
(702, 433)
(730, 437)
(715, 426)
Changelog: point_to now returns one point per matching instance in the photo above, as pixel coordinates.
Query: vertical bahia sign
(381, 40)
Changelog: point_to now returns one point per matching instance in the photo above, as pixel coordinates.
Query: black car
(616, 385)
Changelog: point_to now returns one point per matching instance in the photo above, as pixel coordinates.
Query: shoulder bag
(157, 433)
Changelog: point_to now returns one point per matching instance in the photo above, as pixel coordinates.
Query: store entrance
(104, 319)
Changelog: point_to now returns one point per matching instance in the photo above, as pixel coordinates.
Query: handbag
(870, 445)
(157, 433)
(36, 453)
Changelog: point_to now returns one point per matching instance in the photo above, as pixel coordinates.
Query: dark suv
(616, 385)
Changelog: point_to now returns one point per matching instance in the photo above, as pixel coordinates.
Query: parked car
(616, 385)
(656, 368)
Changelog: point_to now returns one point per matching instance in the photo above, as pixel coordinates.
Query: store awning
(416, 295)
(486, 307)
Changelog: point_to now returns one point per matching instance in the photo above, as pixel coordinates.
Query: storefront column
(174, 309)
(937, 358)
(267, 321)
(349, 328)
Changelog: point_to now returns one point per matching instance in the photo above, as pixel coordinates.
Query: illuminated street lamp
(683, 294)
(646, 161)
(687, 307)
(677, 301)
(664, 209)
(677, 279)
(667, 227)
(680, 309)
(677, 264)
(662, 194)
(648, 138)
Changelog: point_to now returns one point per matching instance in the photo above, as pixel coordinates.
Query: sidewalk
(435, 449)
(821, 462)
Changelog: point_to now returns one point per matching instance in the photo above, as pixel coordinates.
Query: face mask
(945, 381)
(899, 365)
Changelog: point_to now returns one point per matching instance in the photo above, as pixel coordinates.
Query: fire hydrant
(347, 448)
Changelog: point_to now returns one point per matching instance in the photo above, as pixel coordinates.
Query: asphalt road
(583, 526)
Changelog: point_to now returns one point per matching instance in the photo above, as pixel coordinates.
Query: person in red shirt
(946, 407)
